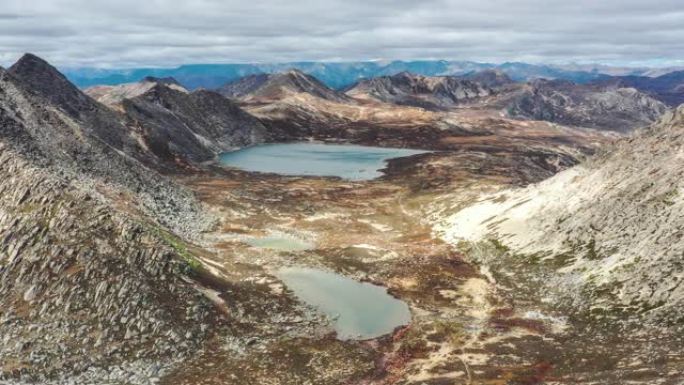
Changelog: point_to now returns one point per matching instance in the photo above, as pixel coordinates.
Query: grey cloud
(172, 32)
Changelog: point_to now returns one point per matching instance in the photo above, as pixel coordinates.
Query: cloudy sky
(126, 33)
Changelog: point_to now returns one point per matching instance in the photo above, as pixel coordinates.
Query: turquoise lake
(350, 162)
(359, 310)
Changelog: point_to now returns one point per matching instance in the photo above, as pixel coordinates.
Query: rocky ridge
(272, 87)
(564, 102)
(113, 96)
(404, 88)
(83, 286)
(190, 127)
(92, 147)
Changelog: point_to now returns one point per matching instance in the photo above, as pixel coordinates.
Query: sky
(167, 33)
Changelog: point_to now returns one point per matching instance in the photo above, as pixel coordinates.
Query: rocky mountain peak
(432, 92)
(40, 77)
(279, 85)
(165, 80)
(492, 78)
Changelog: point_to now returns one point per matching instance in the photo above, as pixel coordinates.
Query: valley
(160, 263)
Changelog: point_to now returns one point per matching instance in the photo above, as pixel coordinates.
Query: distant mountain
(668, 88)
(277, 86)
(564, 102)
(421, 91)
(113, 96)
(489, 78)
(342, 74)
(612, 107)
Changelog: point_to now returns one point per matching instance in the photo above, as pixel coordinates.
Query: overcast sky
(126, 33)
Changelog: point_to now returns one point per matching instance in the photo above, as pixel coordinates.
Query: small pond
(315, 159)
(280, 242)
(359, 310)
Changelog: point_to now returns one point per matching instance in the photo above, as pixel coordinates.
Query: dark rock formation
(192, 127)
(493, 79)
(436, 92)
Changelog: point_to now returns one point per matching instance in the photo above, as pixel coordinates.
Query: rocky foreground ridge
(91, 273)
(82, 286)
(610, 230)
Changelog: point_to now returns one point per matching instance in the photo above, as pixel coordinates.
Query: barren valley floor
(471, 323)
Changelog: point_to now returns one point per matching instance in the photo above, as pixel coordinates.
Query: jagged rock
(435, 92)
(564, 102)
(76, 271)
(271, 87)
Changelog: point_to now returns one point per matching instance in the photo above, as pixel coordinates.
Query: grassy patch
(449, 331)
(500, 247)
(180, 247)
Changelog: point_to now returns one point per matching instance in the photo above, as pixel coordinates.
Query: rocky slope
(84, 287)
(58, 126)
(91, 274)
(668, 88)
(113, 96)
(609, 230)
(436, 92)
(190, 127)
(618, 109)
(493, 79)
(272, 87)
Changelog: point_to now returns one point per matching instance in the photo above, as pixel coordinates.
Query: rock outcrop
(564, 102)
(436, 92)
(191, 127)
(272, 87)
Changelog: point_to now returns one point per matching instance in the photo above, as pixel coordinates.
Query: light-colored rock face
(112, 96)
(616, 222)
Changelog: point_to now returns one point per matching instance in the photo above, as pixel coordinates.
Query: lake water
(279, 241)
(315, 159)
(359, 310)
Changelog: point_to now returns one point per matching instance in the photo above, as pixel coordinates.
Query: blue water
(315, 159)
(359, 310)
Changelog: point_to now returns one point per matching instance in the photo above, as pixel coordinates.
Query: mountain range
(341, 75)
